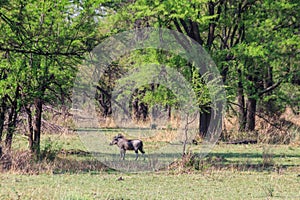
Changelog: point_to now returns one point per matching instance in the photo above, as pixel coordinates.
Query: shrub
(50, 150)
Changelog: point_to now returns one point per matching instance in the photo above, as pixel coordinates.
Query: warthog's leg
(136, 154)
(122, 153)
(142, 151)
(143, 155)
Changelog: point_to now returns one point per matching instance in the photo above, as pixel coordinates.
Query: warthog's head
(116, 139)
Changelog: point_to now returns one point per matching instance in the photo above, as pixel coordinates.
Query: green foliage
(41, 45)
(50, 150)
(289, 95)
(160, 96)
(201, 90)
(255, 45)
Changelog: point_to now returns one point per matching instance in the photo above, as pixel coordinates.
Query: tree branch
(260, 116)
(39, 52)
(268, 89)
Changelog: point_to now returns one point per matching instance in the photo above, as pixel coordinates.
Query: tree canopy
(255, 45)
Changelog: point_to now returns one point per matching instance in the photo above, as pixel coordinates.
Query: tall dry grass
(284, 129)
(24, 162)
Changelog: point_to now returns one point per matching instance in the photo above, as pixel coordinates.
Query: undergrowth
(50, 161)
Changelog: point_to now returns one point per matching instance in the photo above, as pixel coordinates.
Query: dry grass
(24, 162)
(284, 129)
(172, 123)
(288, 115)
(167, 135)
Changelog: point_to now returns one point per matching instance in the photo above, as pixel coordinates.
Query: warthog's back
(130, 144)
(136, 143)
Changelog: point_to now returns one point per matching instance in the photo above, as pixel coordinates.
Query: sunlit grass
(283, 155)
(212, 185)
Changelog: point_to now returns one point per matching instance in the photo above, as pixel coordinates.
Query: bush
(50, 150)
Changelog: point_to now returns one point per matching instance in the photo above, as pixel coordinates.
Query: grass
(245, 156)
(163, 185)
(65, 141)
(253, 171)
(283, 155)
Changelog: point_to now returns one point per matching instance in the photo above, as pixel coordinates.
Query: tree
(264, 57)
(43, 42)
(252, 42)
(190, 18)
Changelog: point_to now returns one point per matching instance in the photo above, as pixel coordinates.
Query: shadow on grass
(67, 165)
(243, 162)
(252, 155)
(230, 160)
(77, 161)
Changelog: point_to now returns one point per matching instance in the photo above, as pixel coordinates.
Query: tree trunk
(169, 112)
(251, 110)
(251, 102)
(143, 110)
(139, 109)
(30, 129)
(212, 25)
(38, 104)
(204, 122)
(2, 117)
(12, 120)
(104, 99)
(269, 106)
(135, 107)
(241, 104)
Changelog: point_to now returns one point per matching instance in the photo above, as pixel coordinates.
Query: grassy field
(229, 172)
(208, 185)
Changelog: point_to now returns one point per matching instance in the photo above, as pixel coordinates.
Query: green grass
(283, 155)
(212, 185)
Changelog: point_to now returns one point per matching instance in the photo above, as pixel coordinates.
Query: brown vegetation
(282, 129)
(24, 162)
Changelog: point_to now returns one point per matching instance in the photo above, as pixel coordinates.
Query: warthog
(124, 144)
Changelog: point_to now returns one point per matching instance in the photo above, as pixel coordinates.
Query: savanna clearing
(150, 65)
(254, 171)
